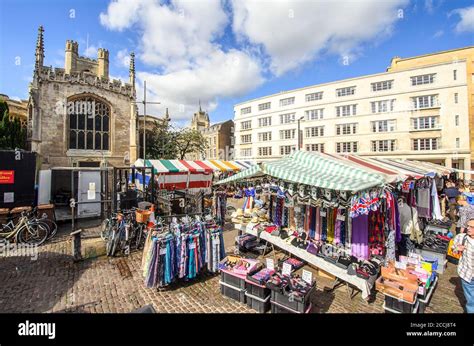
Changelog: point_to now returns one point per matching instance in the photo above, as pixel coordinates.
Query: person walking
(465, 213)
(464, 244)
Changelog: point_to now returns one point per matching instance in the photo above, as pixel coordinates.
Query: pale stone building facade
(77, 115)
(419, 112)
(16, 109)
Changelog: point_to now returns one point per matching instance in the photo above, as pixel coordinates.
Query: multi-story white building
(419, 113)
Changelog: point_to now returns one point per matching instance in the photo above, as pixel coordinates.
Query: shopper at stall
(464, 244)
(466, 212)
(451, 193)
(410, 227)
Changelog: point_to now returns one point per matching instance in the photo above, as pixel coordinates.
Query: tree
(190, 141)
(161, 141)
(12, 134)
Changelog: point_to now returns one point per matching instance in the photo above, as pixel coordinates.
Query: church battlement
(58, 74)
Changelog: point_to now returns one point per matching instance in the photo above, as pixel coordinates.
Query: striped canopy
(314, 169)
(182, 166)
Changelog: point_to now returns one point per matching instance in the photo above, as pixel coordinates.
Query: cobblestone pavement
(53, 283)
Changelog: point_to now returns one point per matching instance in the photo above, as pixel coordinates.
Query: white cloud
(466, 23)
(123, 58)
(180, 40)
(438, 33)
(294, 32)
(91, 51)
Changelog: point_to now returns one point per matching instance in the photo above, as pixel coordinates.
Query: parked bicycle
(123, 233)
(26, 230)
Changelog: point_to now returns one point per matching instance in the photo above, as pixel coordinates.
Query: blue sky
(223, 53)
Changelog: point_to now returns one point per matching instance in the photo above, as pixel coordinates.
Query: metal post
(144, 121)
(152, 182)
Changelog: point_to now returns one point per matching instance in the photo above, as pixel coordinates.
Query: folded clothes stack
(295, 263)
(238, 265)
(262, 276)
(293, 286)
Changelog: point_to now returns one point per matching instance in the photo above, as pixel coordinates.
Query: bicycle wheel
(33, 234)
(105, 229)
(53, 228)
(110, 241)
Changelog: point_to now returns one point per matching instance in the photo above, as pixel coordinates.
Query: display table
(362, 285)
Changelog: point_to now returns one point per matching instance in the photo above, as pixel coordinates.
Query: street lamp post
(299, 133)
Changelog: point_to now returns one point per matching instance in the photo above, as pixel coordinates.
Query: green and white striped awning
(314, 169)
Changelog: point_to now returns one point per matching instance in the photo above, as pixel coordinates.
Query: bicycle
(25, 231)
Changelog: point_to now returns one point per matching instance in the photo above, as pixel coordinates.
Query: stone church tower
(77, 116)
(200, 120)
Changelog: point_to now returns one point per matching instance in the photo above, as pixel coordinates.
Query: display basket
(142, 216)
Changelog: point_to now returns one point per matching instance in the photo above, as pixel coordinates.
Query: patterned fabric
(330, 234)
(324, 225)
(376, 233)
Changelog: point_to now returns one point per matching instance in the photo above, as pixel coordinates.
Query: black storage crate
(233, 292)
(278, 309)
(257, 291)
(295, 305)
(232, 280)
(258, 304)
(398, 305)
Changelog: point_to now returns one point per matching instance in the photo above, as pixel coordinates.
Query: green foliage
(12, 134)
(165, 142)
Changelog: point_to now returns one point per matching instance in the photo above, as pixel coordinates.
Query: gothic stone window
(89, 124)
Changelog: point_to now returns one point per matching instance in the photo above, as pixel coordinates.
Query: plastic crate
(256, 290)
(398, 305)
(295, 305)
(425, 300)
(233, 280)
(277, 308)
(441, 257)
(233, 292)
(258, 304)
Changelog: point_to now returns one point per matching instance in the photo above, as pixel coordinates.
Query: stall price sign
(307, 276)
(270, 264)
(286, 270)
(7, 177)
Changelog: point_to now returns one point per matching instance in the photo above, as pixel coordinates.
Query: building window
(383, 145)
(346, 147)
(264, 106)
(287, 118)
(246, 110)
(423, 123)
(288, 101)
(458, 143)
(267, 121)
(345, 91)
(379, 86)
(287, 149)
(455, 74)
(246, 125)
(314, 96)
(287, 134)
(246, 139)
(456, 99)
(382, 106)
(246, 152)
(425, 144)
(346, 129)
(426, 101)
(264, 136)
(215, 153)
(316, 131)
(345, 111)
(314, 114)
(265, 151)
(89, 124)
(423, 79)
(315, 147)
(456, 120)
(383, 126)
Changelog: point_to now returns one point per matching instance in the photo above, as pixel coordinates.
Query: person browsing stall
(465, 213)
(464, 244)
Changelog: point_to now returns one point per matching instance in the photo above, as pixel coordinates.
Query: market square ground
(54, 283)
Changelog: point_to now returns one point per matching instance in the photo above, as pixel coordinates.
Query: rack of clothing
(181, 250)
